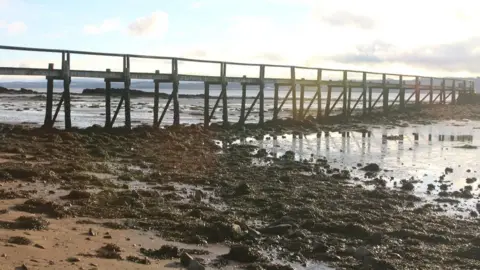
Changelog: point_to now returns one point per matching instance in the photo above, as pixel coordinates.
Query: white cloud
(107, 25)
(4, 3)
(13, 28)
(154, 25)
(197, 4)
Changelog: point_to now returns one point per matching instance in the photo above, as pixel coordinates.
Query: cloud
(197, 4)
(13, 28)
(196, 54)
(107, 25)
(154, 25)
(347, 18)
(271, 57)
(456, 56)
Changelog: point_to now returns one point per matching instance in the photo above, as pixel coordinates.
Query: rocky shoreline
(180, 185)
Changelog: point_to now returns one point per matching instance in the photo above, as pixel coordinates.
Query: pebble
(73, 259)
(39, 246)
(91, 232)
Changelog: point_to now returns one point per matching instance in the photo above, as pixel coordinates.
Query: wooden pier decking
(409, 91)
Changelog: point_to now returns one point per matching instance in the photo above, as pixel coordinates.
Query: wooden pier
(409, 90)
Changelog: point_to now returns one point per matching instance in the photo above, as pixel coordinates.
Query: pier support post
(302, 100)
(66, 89)
(206, 106)
(262, 95)
(431, 91)
(370, 108)
(442, 99)
(156, 99)
(385, 93)
(176, 105)
(294, 93)
(108, 102)
(319, 94)
(244, 101)
(126, 91)
(402, 94)
(349, 102)
(345, 95)
(364, 92)
(223, 74)
(454, 92)
(329, 98)
(49, 106)
(417, 90)
(275, 102)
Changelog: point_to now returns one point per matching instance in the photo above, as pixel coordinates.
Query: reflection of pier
(330, 144)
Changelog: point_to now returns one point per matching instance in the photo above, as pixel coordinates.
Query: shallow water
(424, 159)
(90, 110)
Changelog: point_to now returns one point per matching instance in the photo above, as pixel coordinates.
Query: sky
(418, 37)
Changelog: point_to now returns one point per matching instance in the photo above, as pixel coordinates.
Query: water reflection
(421, 152)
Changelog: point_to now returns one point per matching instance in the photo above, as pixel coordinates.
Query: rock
(443, 187)
(30, 223)
(77, 195)
(243, 254)
(243, 189)
(73, 260)
(237, 231)
(185, 259)
(343, 175)
(19, 240)
(471, 180)
(261, 153)
(138, 260)
(23, 267)
(195, 265)
(253, 233)
(199, 195)
(376, 238)
(165, 252)
(277, 229)
(109, 251)
(430, 187)
(372, 167)
(296, 246)
(91, 232)
(448, 170)
(408, 186)
(39, 246)
(320, 247)
(361, 253)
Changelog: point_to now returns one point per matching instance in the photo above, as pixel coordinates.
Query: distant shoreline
(115, 92)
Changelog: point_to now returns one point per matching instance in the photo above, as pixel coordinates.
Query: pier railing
(407, 88)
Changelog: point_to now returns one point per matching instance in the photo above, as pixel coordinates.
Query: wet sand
(65, 238)
(221, 191)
